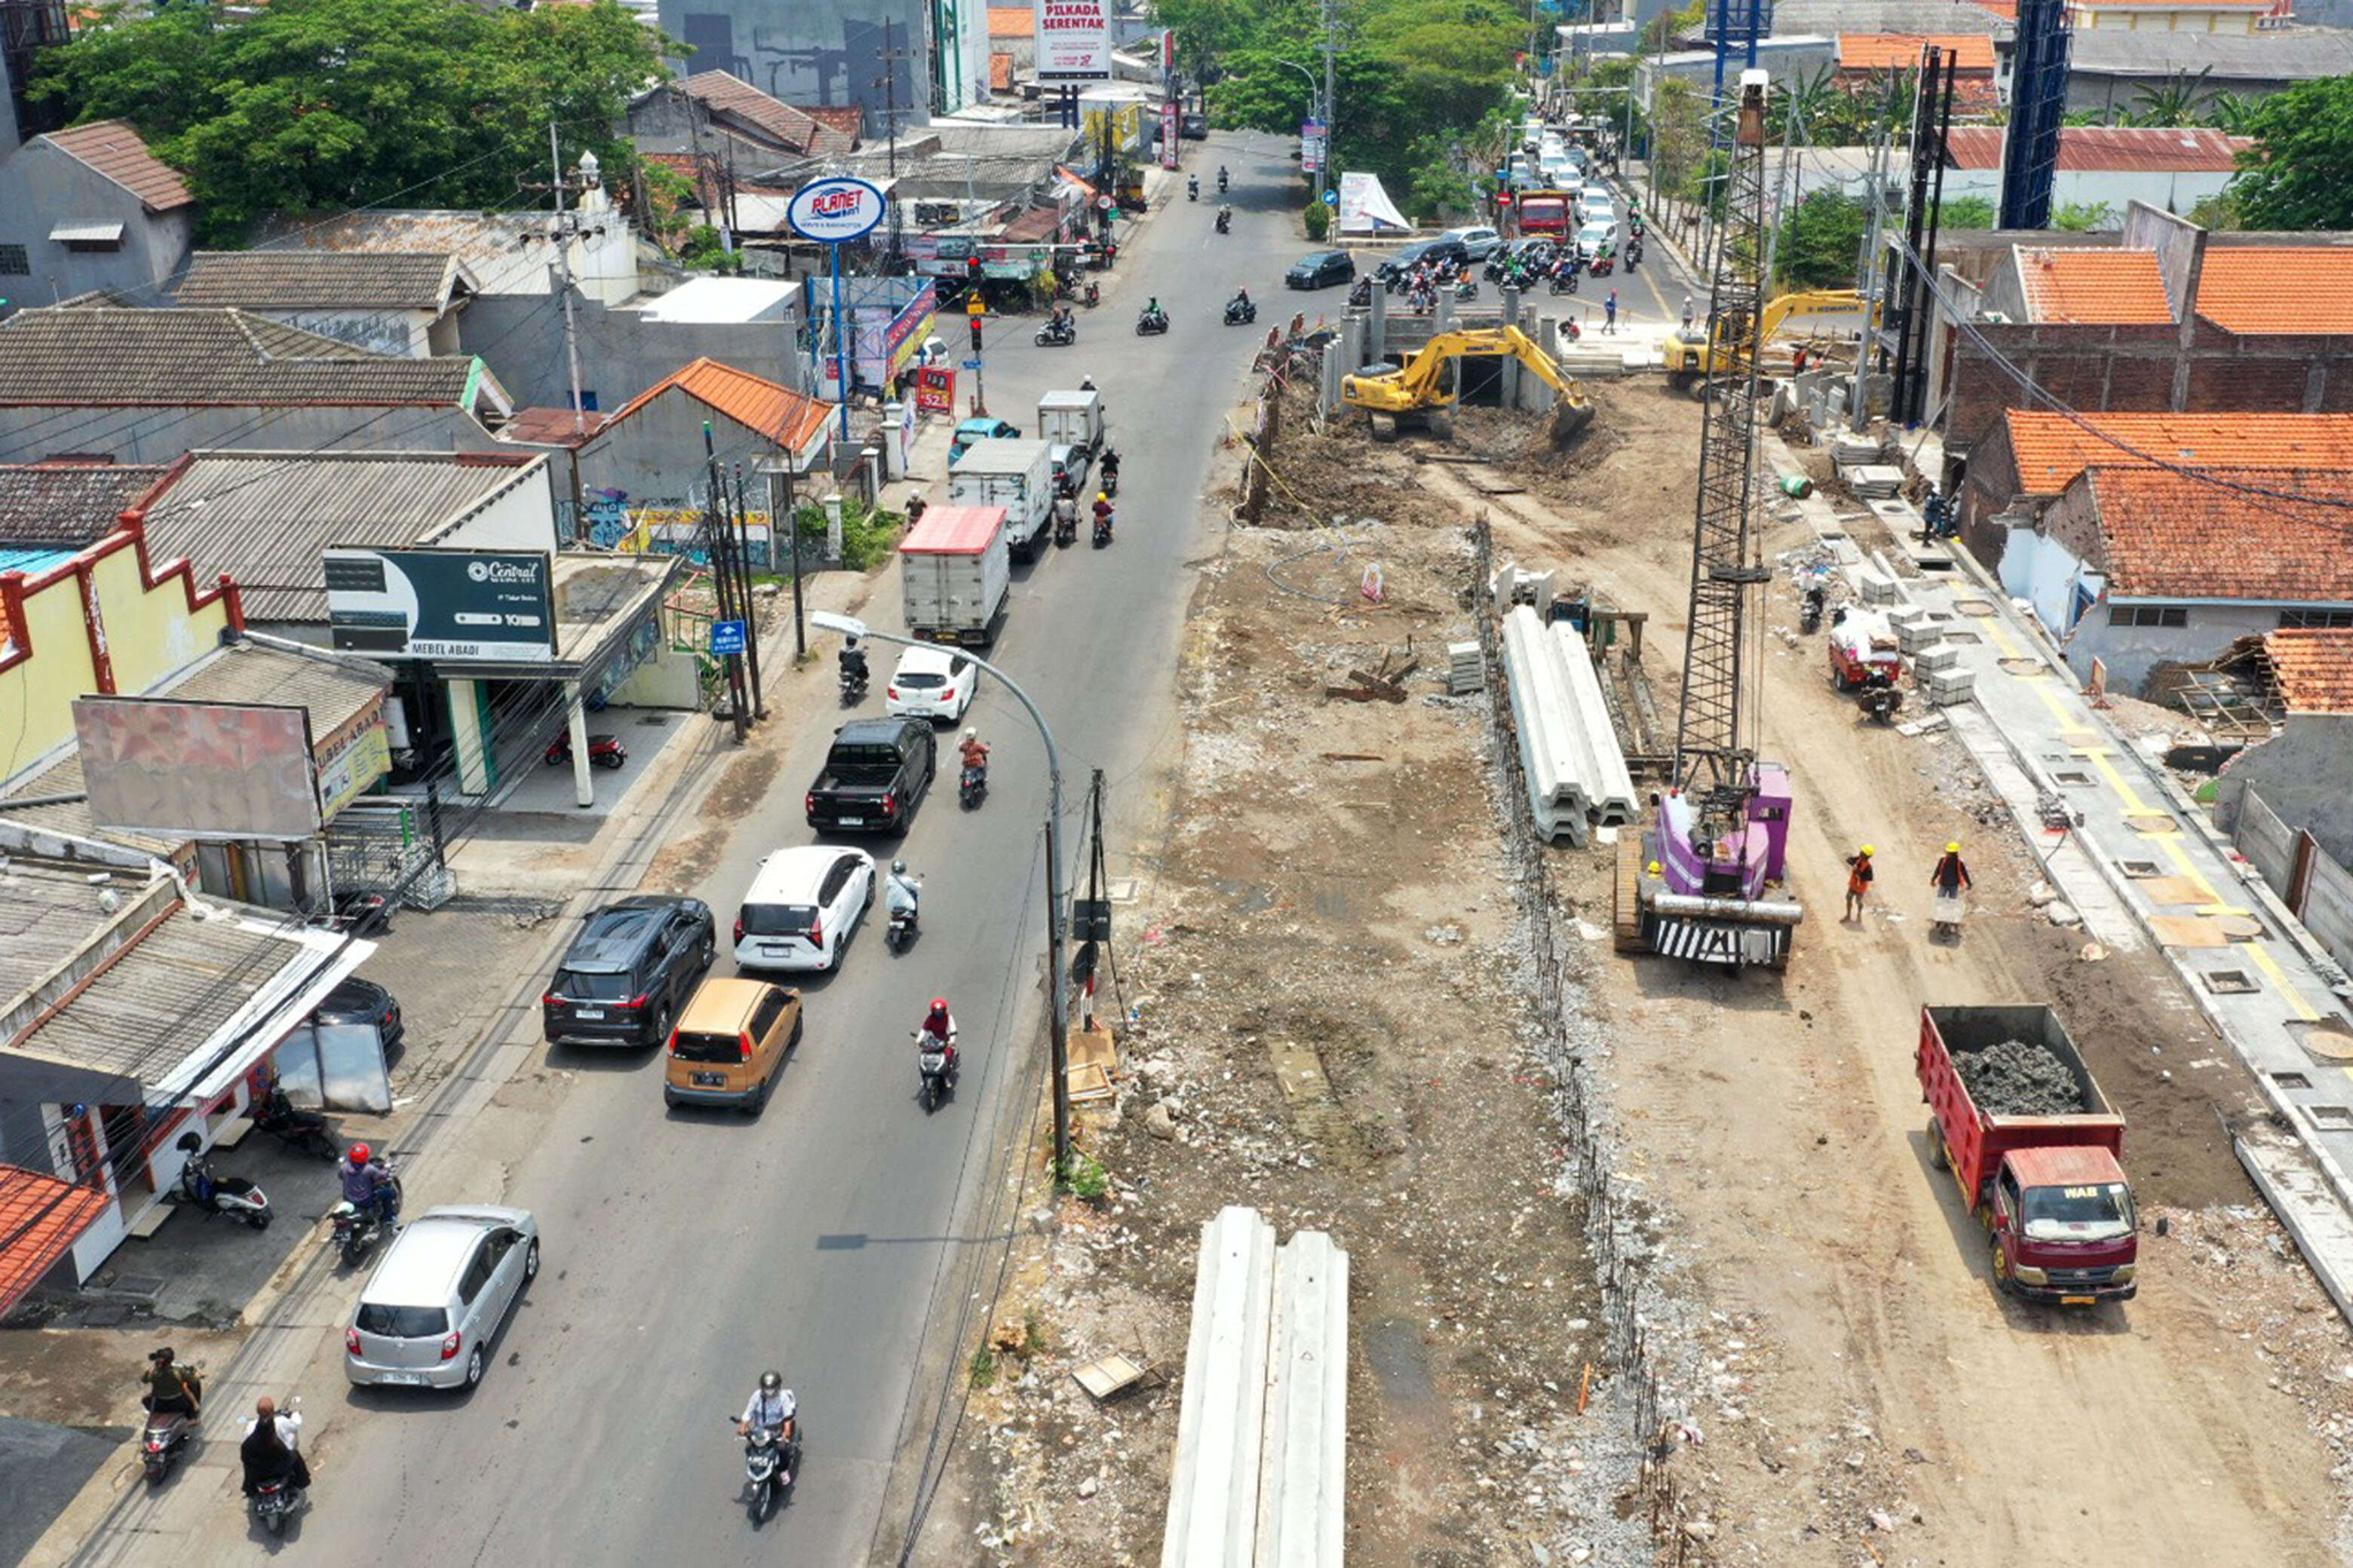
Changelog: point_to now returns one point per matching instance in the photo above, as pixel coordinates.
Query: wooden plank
(1626, 895)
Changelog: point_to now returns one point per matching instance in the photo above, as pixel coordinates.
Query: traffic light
(976, 335)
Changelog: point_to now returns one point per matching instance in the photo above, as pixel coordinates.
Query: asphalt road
(686, 1251)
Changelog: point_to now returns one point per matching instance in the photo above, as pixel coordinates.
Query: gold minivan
(730, 1044)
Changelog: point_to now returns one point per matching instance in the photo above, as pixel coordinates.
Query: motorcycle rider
(1061, 324)
(1151, 312)
(939, 1032)
(171, 1389)
(1110, 469)
(272, 1448)
(901, 892)
(368, 1184)
(1066, 510)
(974, 752)
(1192, 187)
(853, 663)
(1221, 176)
(1225, 219)
(1240, 304)
(1103, 511)
(772, 1408)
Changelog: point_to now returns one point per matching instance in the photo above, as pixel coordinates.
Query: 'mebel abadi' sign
(1073, 40)
(834, 210)
(457, 606)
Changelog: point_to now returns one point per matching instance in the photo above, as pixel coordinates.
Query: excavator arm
(1417, 388)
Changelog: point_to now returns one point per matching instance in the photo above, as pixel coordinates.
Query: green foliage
(1821, 241)
(1318, 219)
(2081, 218)
(312, 105)
(2218, 211)
(704, 250)
(2176, 101)
(2299, 174)
(1084, 1177)
(983, 1371)
(868, 533)
(1967, 213)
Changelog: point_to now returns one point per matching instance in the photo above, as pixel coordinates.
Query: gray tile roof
(2292, 54)
(67, 505)
(264, 516)
(105, 354)
(335, 691)
(1928, 19)
(46, 913)
(772, 118)
(287, 279)
(164, 995)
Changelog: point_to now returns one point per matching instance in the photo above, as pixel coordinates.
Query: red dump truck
(2017, 1119)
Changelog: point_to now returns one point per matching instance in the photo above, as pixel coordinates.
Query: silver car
(437, 1300)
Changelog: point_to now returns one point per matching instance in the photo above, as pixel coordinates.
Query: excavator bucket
(1571, 415)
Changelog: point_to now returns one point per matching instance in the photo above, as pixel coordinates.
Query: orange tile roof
(113, 149)
(2176, 4)
(1012, 22)
(2312, 668)
(2052, 450)
(2256, 289)
(40, 1218)
(2170, 536)
(1901, 51)
(2103, 287)
(751, 401)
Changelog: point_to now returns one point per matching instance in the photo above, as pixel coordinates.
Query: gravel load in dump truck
(2014, 1077)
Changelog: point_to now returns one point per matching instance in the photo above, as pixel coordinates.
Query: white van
(801, 907)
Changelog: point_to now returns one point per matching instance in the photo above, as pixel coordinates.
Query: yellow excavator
(1691, 358)
(1415, 393)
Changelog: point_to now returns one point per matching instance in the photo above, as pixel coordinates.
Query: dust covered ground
(1329, 985)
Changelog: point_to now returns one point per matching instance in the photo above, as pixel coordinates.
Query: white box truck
(954, 575)
(1072, 419)
(1015, 475)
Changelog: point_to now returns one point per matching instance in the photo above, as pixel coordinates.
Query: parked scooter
(1091, 295)
(769, 1466)
(356, 1234)
(232, 1196)
(305, 1132)
(1881, 700)
(1809, 608)
(604, 751)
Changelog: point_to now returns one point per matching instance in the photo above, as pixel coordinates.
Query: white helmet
(972, 732)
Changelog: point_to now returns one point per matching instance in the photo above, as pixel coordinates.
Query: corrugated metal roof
(2111, 149)
(165, 994)
(47, 913)
(335, 693)
(96, 353)
(87, 234)
(264, 516)
(113, 149)
(64, 778)
(286, 280)
(2286, 54)
(68, 504)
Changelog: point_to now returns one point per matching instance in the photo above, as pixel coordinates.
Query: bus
(1547, 213)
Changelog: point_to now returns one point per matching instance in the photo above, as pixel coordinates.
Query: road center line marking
(2270, 966)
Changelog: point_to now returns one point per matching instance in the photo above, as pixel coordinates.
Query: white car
(1594, 236)
(428, 1316)
(931, 683)
(1480, 243)
(801, 907)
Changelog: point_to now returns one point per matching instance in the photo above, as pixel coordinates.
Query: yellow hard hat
(1654, 868)
(1954, 848)
(1868, 851)
(1101, 496)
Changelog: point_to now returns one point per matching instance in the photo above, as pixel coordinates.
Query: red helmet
(359, 1153)
(939, 1003)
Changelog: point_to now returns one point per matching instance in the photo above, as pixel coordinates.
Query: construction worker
(1858, 883)
(1952, 874)
(1950, 879)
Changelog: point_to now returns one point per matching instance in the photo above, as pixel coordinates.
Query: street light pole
(1320, 111)
(1058, 981)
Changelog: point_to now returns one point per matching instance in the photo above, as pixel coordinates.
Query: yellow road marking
(2133, 805)
(2172, 843)
(2265, 962)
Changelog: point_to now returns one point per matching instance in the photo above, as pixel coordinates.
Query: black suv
(629, 970)
(1320, 267)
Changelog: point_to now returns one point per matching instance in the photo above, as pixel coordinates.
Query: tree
(2218, 212)
(1967, 213)
(2081, 217)
(2299, 174)
(309, 105)
(1821, 241)
(1813, 99)
(2174, 101)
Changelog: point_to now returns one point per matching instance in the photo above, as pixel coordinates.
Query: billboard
(487, 607)
(1073, 40)
(834, 210)
(197, 770)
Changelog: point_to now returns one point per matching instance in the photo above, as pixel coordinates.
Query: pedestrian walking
(1687, 315)
(1858, 883)
(1950, 879)
(1610, 312)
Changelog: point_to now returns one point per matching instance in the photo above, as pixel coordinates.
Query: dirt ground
(1327, 992)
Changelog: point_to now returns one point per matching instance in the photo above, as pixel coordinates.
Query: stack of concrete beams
(1465, 671)
(1569, 753)
(1261, 1431)
(1872, 481)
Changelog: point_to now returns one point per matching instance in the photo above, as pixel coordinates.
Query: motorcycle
(1150, 322)
(162, 1435)
(1360, 293)
(1467, 289)
(1225, 221)
(1066, 523)
(936, 1072)
(1091, 295)
(902, 927)
(1221, 182)
(1193, 190)
(972, 784)
(604, 751)
(1056, 335)
(769, 1466)
(1108, 481)
(273, 1503)
(1809, 610)
(853, 684)
(1881, 701)
(231, 1196)
(355, 1234)
(1602, 267)
(1240, 312)
(305, 1131)
(1564, 280)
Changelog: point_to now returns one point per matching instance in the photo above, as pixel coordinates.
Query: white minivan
(801, 907)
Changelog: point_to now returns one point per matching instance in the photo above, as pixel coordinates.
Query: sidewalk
(2145, 866)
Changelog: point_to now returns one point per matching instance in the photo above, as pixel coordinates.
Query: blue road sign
(972, 365)
(726, 638)
(1330, 198)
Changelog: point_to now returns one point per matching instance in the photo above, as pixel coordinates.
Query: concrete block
(1937, 659)
(1950, 687)
(1913, 636)
(1872, 588)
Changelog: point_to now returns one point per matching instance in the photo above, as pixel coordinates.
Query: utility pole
(890, 85)
(1866, 279)
(562, 232)
(744, 589)
(717, 531)
(1331, 106)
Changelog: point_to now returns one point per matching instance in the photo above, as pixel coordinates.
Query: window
(2147, 615)
(764, 1019)
(478, 1274)
(2333, 620)
(15, 261)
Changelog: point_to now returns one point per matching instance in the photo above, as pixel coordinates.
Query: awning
(87, 234)
(41, 1217)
